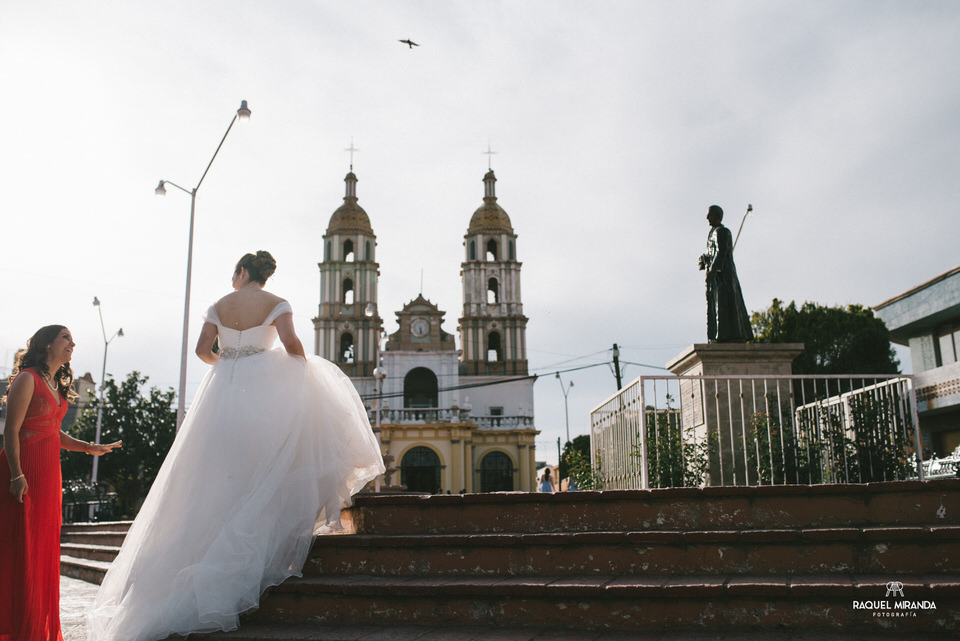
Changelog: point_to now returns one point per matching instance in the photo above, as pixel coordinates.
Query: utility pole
(616, 366)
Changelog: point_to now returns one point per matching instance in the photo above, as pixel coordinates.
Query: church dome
(490, 217)
(350, 218)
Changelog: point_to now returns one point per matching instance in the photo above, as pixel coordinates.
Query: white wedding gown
(271, 449)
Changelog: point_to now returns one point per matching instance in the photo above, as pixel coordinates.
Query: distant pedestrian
(572, 485)
(546, 481)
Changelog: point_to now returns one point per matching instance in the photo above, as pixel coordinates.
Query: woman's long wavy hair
(35, 357)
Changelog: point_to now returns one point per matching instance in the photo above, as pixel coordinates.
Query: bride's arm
(205, 344)
(288, 336)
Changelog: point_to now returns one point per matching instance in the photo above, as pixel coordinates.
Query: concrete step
(97, 526)
(88, 570)
(92, 552)
(796, 551)
(648, 604)
(901, 503)
(105, 537)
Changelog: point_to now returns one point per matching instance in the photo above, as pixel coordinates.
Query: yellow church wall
(460, 447)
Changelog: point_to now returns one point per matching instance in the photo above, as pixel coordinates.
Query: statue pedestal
(724, 411)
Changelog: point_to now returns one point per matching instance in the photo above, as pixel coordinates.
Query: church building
(450, 420)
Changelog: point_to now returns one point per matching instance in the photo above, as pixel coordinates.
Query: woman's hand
(99, 450)
(19, 488)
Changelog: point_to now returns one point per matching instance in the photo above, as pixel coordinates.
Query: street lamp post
(103, 383)
(378, 376)
(566, 412)
(243, 113)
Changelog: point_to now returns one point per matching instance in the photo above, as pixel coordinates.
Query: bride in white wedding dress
(274, 444)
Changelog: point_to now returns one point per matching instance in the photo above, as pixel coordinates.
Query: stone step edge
(89, 547)
(721, 492)
(121, 526)
(254, 631)
(88, 563)
(927, 586)
(751, 536)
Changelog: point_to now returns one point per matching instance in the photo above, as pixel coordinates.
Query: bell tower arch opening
(346, 348)
(492, 250)
(493, 292)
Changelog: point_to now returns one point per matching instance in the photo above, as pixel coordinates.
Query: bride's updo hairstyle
(260, 266)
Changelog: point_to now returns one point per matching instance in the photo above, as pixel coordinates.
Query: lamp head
(749, 208)
(160, 190)
(96, 302)
(120, 332)
(243, 112)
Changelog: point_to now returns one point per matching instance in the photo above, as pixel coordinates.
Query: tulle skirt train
(271, 450)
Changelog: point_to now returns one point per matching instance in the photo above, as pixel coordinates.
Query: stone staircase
(642, 562)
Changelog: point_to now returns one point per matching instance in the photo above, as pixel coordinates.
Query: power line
(486, 383)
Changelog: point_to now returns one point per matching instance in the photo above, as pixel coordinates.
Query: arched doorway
(420, 470)
(420, 388)
(496, 473)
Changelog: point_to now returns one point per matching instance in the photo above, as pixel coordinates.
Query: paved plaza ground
(75, 597)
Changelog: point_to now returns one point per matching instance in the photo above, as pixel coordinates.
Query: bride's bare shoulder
(225, 302)
(273, 299)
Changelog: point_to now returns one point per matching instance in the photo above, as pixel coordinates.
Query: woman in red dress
(30, 513)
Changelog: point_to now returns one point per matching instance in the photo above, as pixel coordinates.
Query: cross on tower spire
(351, 149)
(489, 154)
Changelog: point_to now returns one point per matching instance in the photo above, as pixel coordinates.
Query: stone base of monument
(734, 384)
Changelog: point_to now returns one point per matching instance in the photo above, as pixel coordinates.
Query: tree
(145, 422)
(575, 462)
(837, 340)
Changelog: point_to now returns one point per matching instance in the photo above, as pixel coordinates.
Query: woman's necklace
(49, 381)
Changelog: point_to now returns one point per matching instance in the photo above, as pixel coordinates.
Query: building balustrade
(428, 415)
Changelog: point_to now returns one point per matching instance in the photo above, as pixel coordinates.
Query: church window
(492, 249)
(494, 350)
(366, 252)
(496, 473)
(346, 347)
(493, 292)
(326, 253)
(347, 291)
(513, 252)
(348, 251)
(472, 252)
(420, 388)
(420, 470)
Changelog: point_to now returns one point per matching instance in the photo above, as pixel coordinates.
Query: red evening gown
(30, 532)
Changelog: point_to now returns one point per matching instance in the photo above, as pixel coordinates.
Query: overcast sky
(615, 126)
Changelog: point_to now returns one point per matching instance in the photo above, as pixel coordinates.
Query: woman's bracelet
(86, 447)
(17, 478)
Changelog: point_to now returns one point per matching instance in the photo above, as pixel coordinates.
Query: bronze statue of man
(727, 318)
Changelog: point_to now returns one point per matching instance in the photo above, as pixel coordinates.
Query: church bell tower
(348, 322)
(493, 328)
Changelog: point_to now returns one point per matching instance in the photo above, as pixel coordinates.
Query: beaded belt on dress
(240, 352)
